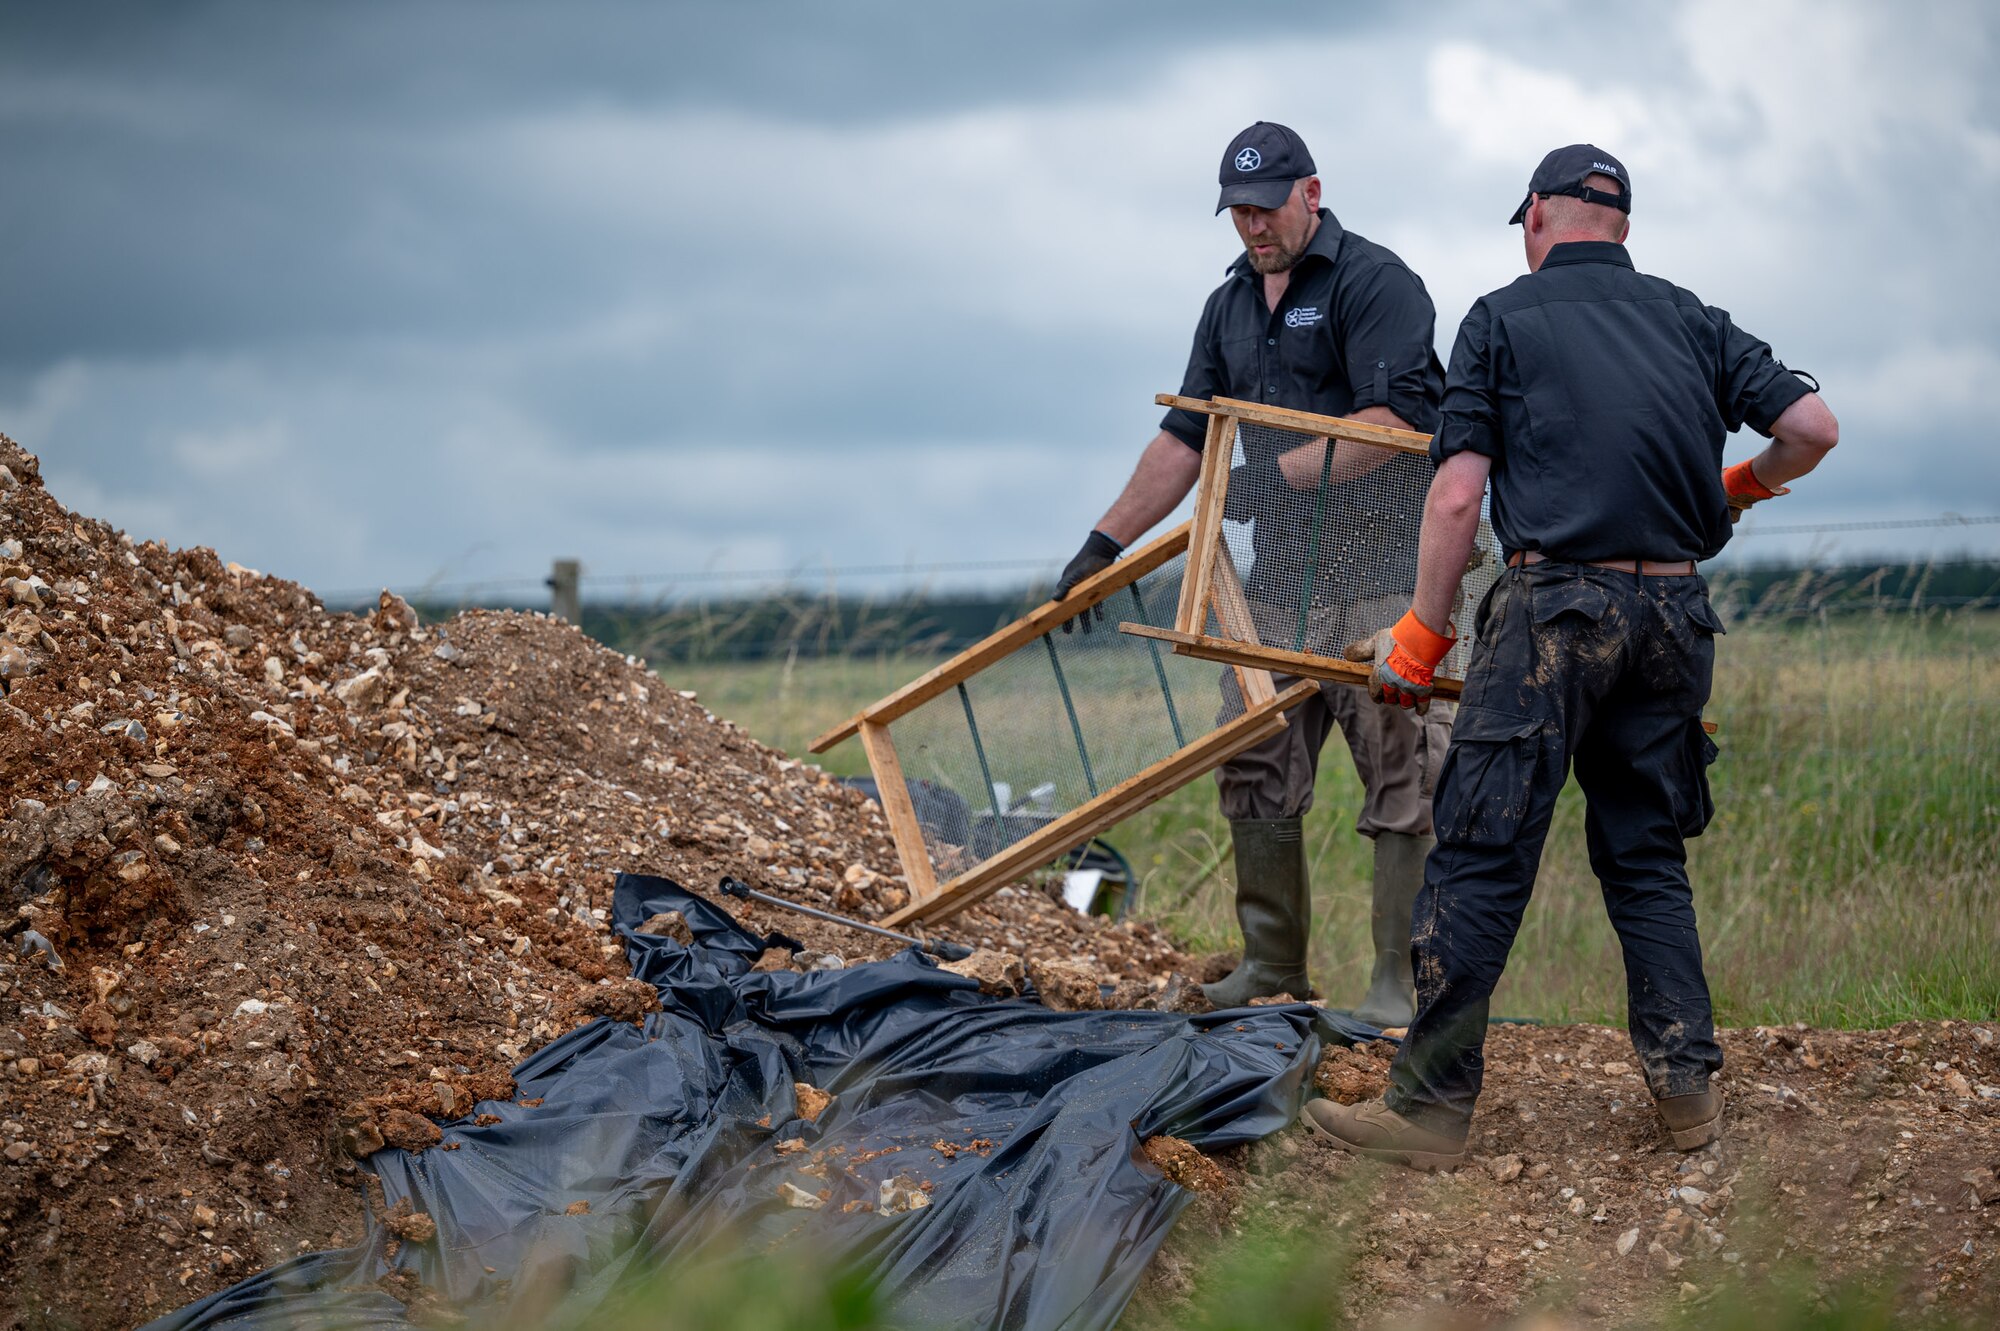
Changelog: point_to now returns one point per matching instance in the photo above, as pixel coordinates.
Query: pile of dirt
(279, 885)
(1864, 1156)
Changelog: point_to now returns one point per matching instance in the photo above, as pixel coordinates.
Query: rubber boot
(1274, 908)
(1399, 872)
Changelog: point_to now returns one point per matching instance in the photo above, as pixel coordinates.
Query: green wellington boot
(1399, 872)
(1274, 907)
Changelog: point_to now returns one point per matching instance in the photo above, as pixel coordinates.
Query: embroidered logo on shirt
(1249, 160)
(1304, 316)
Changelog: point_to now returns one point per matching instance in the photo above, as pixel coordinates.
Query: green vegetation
(1269, 1274)
(1848, 878)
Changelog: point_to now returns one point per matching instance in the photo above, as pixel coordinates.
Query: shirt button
(1270, 341)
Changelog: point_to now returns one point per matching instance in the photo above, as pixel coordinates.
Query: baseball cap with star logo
(1260, 164)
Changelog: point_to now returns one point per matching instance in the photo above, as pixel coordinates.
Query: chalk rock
(364, 690)
(899, 1194)
(1065, 986)
(794, 1195)
(999, 973)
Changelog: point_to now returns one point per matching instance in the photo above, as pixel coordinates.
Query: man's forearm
(1302, 466)
(1451, 528)
(1801, 436)
(1166, 472)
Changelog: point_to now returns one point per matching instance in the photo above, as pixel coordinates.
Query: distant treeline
(780, 624)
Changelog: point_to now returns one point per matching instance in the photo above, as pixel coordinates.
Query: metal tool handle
(736, 887)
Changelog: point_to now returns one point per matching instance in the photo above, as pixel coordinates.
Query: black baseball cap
(1260, 164)
(1563, 172)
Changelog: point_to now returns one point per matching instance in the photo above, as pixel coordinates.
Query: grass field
(1851, 876)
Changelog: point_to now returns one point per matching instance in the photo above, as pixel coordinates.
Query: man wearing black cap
(1597, 400)
(1315, 318)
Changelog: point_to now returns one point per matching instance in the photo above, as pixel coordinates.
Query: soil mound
(276, 884)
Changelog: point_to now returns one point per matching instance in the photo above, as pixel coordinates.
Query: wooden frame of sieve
(1211, 585)
(930, 900)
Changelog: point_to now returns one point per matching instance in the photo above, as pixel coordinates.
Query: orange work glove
(1741, 485)
(1406, 659)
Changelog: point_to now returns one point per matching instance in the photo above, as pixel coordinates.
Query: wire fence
(831, 610)
(804, 574)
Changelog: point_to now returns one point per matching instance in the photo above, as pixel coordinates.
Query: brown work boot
(1379, 1132)
(1693, 1121)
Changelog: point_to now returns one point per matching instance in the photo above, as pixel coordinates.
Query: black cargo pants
(1609, 671)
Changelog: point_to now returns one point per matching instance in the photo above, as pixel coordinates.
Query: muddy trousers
(1608, 672)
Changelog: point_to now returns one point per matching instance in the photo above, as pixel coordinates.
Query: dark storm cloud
(201, 175)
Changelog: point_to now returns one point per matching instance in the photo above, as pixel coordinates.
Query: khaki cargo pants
(1396, 753)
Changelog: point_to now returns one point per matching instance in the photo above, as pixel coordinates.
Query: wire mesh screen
(1321, 540)
(1052, 725)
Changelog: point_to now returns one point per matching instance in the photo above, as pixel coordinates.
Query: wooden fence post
(565, 602)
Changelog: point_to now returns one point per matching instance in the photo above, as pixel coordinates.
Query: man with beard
(1315, 318)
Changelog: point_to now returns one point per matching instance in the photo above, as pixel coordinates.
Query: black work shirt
(1354, 329)
(1602, 396)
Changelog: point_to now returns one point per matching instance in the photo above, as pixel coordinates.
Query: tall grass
(1851, 876)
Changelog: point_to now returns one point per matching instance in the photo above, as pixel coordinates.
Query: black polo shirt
(1354, 329)
(1603, 396)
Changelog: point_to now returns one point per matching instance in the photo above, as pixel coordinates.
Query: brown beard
(1279, 260)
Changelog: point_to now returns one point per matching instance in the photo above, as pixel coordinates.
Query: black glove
(1099, 553)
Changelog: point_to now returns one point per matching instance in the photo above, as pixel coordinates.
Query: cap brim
(1256, 193)
(1522, 211)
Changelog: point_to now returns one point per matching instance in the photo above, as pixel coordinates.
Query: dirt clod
(409, 1225)
(812, 1101)
(1182, 995)
(407, 1131)
(668, 924)
(1185, 1165)
(1349, 1076)
(773, 959)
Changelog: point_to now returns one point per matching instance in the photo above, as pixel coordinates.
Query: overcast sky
(376, 293)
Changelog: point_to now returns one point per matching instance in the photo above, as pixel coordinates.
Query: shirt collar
(1587, 251)
(1325, 244)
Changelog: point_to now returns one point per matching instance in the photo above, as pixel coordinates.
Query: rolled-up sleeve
(1753, 387)
(1470, 415)
(1204, 379)
(1387, 322)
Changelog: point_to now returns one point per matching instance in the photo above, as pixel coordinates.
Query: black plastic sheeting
(667, 1130)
